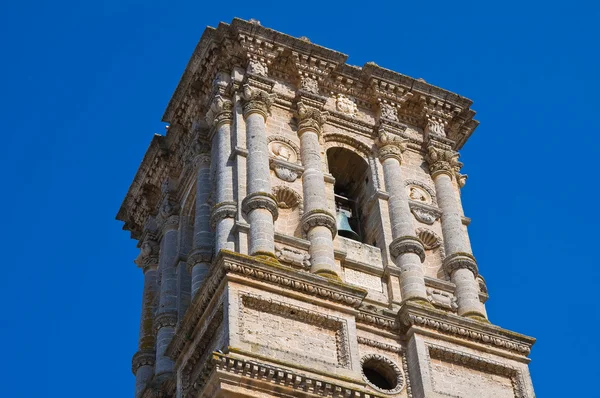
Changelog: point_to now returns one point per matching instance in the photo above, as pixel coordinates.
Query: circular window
(382, 374)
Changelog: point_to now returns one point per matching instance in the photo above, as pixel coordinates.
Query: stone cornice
(231, 263)
(413, 315)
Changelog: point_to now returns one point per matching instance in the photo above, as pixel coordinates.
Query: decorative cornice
(415, 315)
(407, 244)
(142, 358)
(379, 345)
(379, 321)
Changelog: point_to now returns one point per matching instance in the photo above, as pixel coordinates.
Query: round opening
(380, 374)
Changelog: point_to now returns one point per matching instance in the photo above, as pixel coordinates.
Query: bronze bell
(344, 228)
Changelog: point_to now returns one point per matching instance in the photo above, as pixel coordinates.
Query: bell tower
(301, 234)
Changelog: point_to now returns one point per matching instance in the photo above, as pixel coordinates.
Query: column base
(328, 274)
(476, 316)
(266, 256)
(418, 300)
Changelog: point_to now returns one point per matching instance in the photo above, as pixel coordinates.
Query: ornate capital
(163, 320)
(149, 255)
(142, 358)
(390, 146)
(201, 255)
(257, 101)
(407, 244)
(442, 160)
(310, 118)
(460, 261)
(260, 200)
(222, 210)
(319, 217)
(220, 112)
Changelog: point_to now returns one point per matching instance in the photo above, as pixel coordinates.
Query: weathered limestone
(259, 204)
(459, 262)
(318, 224)
(257, 159)
(406, 248)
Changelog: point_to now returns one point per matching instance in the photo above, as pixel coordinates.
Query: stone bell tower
(301, 234)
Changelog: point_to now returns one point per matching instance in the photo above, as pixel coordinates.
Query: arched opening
(352, 186)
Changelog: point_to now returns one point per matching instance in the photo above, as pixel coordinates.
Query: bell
(344, 228)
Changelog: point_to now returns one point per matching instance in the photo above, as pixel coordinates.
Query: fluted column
(259, 205)
(223, 213)
(459, 263)
(166, 317)
(317, 222)
(200, 257)
(406, 249)
(143, 360)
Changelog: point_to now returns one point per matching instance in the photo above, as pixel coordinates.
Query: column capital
(390, 146)
(407, 244)
(257, 101)
(442, 160)
(201, 255)
(148, 258)
(318, 217)
(142, 358)
(165, 319)
(310, 118)
(460, 260)
(168, 216)
(260, 200)
(222, 210)
(220, 112)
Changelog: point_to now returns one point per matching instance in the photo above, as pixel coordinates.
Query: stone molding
(231, 263)
(407, 244)
(460, 260)
(481, 364)
(257, 101)
(260, 200)
(414, 315)
(221, 211)
(295, 257)
(380, 322)
(291, 382)
(142, 358)
(400, 380)
(379, 345)
(163, 320)
(318, 217)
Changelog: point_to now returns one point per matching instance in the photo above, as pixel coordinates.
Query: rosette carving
(407, 244)
(318, 217)
(260, 200)
(310, 118)
(257, 101)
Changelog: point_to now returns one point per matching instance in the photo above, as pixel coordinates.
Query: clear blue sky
(84, 85)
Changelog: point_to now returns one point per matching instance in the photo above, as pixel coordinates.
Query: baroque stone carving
(345, 105)
(386, 362)
(442, 161)
(310, 118)
(388, 111)
(442, 299)
(220, 111)
(428, 194)
(286, 197)
(425, 214)
(429, 238)
(292, 256)
(377, 321)
(257, 67)
(436, 126)
(282, 150)
(257, 101)
(379, 345)
(309, 85)
(407, 244)
(285, 173)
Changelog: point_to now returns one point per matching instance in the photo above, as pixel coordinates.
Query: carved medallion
(345, 105)
(424, 213)
(418, 194)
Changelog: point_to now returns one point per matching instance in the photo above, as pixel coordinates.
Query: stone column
(259, 205)
(166, 317)
(143, 360)
(459, 262)
(406, 249)
(224, 211)
(317, 222)
(200, 257)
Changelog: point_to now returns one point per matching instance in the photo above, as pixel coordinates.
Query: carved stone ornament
(390, 146)
(442, 299)
(220, 111)
(149, 255)
(258, 68)
(257, 101)
(201, 255)
(292, 256)
(142, 358)
(317, 217)
(222, 210)
(418, 194)
(285, 173)
(310, 118)
(309, 85)
(436, 126)
(407, 244)
(429, 238)
(282, 150)
(379, 345)
(260, 200)
(380, 362)
(442, 161)
(286, 197)
(388, 111)
(461, 179)
(163, 320)
(460, 261)
(345, 105)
